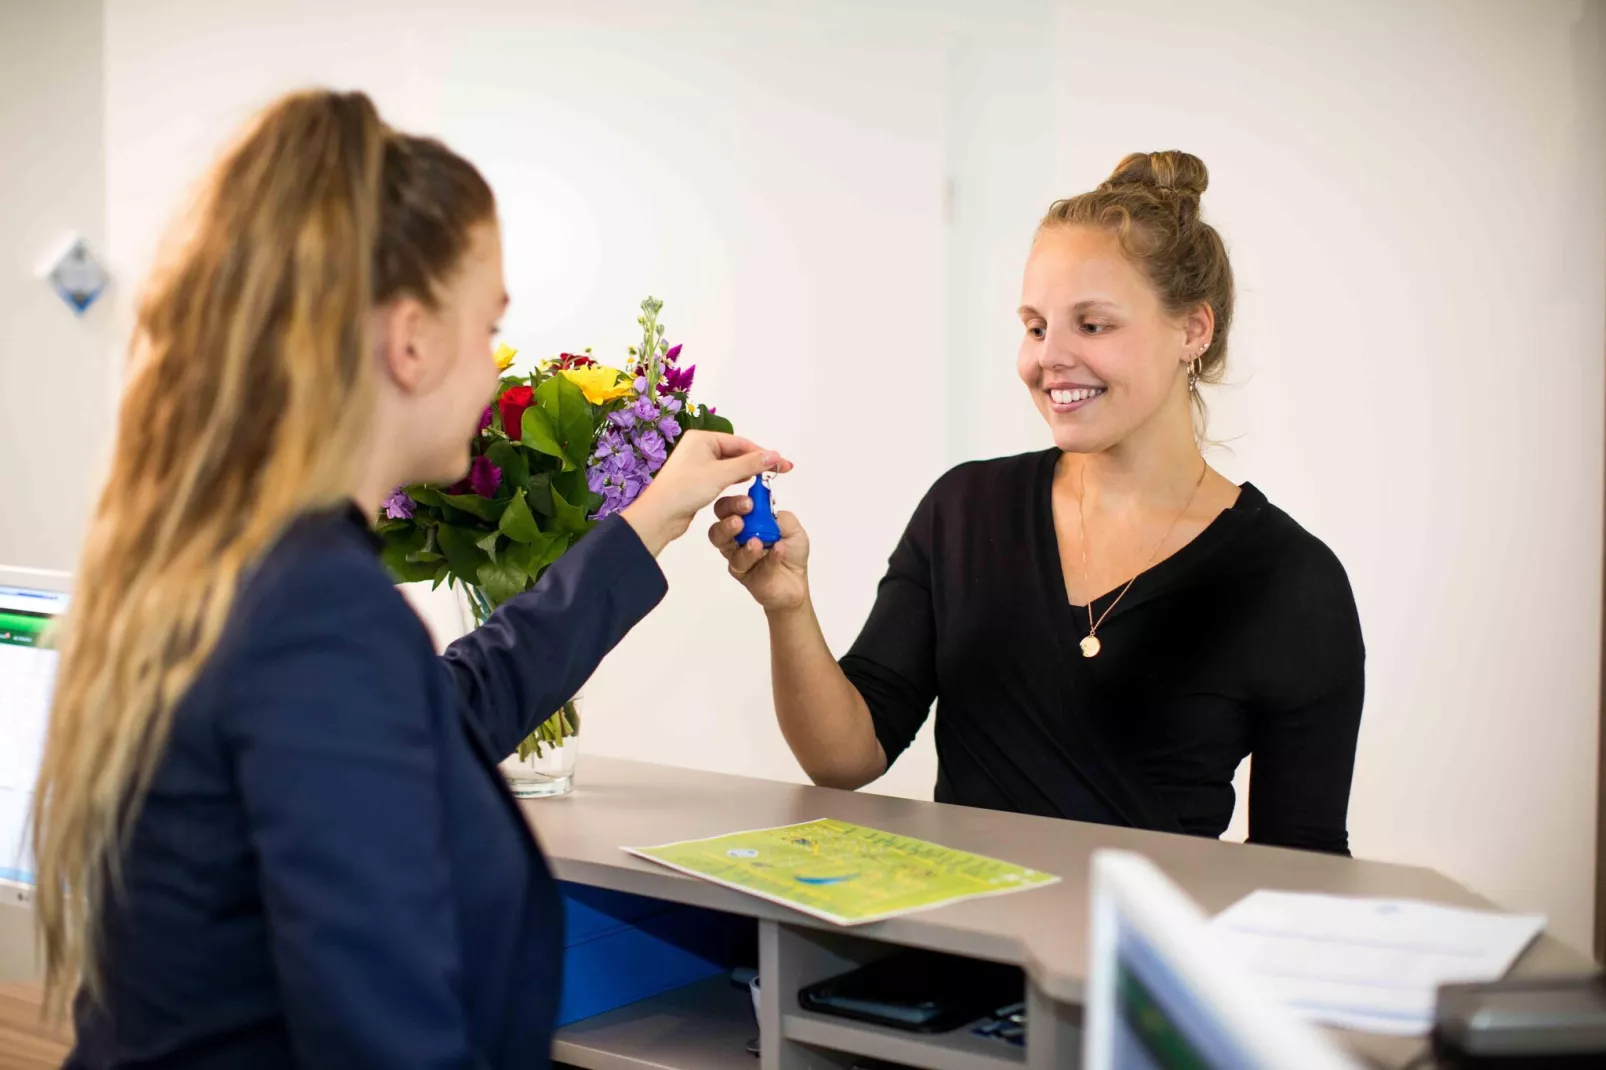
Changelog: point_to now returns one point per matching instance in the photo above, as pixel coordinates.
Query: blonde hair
(249, 397)
(1151, 203)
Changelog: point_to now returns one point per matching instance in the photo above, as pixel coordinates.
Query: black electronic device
(1545, 1024)
(919, 991)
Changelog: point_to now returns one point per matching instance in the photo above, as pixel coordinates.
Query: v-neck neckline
(1150, 581)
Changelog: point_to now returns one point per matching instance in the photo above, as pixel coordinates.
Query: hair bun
(1175, 172)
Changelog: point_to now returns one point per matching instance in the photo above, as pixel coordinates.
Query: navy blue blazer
(328, 869)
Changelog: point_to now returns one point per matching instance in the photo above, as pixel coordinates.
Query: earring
(1196, 367)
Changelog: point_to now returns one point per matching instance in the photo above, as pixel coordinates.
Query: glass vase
(543, 763)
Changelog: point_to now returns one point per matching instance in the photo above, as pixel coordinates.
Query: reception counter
(1045, 931)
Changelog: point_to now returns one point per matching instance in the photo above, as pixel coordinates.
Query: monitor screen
(1160, 1022)
(27, 673)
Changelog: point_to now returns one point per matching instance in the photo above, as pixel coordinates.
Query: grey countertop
(618, 803)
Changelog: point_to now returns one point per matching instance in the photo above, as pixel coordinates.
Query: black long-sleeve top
(1246, 641)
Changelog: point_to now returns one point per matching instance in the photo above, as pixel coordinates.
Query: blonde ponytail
(250, 392)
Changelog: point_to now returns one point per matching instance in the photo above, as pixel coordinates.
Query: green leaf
(517, 523)
(397, 556)
(540, 434)
(511, 460)
(535, 556)
(425, 495)
(488, 544)
(463, 557)
(570, 414)
(569, 518)
(712, 422)
(426, 557)
(501, 580)
(571, 485)
(540, 497)
(484, 508)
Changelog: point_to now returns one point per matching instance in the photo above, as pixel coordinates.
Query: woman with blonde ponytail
(269, 827)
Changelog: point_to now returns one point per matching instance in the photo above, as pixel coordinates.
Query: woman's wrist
(653, 530)
(787, 613)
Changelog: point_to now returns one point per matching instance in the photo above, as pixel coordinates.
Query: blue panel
(621, 949)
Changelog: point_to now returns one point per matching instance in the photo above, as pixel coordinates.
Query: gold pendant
(1091, 646)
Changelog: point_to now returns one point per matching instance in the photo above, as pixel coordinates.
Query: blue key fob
(760, 523)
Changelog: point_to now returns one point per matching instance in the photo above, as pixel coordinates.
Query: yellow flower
(504, 357)
(600, 385)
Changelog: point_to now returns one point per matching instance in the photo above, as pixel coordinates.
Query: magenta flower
(484, 477)
(485, 418)
(679, 379)
(399, 506)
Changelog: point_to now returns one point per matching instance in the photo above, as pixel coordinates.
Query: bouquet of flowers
(557, 451)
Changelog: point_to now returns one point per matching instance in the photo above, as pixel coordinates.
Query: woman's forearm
(822, 715)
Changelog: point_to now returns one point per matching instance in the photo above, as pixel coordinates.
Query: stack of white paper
(1369, 964)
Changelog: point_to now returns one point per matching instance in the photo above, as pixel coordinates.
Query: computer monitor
(1164, 994)
(30, 602)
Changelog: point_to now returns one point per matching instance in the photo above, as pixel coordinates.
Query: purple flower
(611, 444)
(613, 500)
(623, 418)
(621, 464)
(669, 428)
(672, 405)
(484, 477)
(653, 448)
(485, 418)
(641, 384)
(645, 410)
(596, 479)
(399, 506)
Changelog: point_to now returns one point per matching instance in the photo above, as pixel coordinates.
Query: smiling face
(1100, 353)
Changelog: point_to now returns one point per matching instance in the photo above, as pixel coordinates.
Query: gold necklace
(1092, 645)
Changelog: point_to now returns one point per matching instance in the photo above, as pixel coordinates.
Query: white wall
(55, 393)
(1415, 199)
(776, 178)
(835, 203)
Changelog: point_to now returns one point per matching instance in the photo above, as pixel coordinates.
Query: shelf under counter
(958, 1049)
(707, 1024)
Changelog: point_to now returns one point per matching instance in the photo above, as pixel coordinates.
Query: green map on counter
(846, 874)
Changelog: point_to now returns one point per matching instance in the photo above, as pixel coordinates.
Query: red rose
(512, 403)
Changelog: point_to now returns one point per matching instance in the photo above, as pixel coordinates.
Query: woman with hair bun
(1110, 626)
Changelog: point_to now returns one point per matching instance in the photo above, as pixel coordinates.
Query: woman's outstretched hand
(700, 469)
(776, 577)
